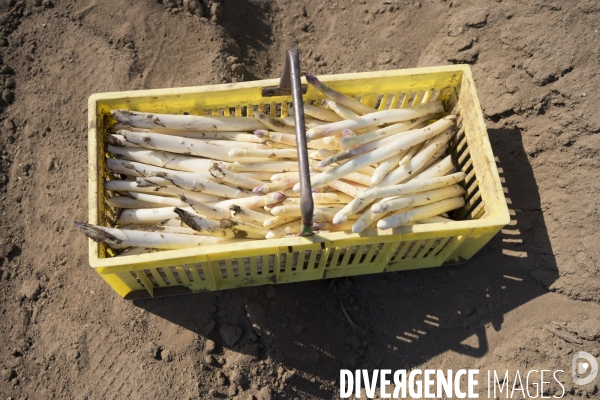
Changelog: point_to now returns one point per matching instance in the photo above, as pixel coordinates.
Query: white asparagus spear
(418, 199)
(362, 176)
(381, 133)
(279, 137)
(128, 202)
(419, 213)
(350, 188)
(133, 168)
(286, 211)
(277, 186)
(286, 229)
(290, 194)
(147, 215)
(198, 183)
(414, 186)
(275, 124)
(267, 166)
(131, 186)
(156, 240)
(410, 154)
(251, 230)
(179, 145)
(153, 181)
(213, 228)
(238, 180)
(440, 168)
(377, 118)
(283, 175)
(272, 153)
(339, 97)
(319, 113)
(235, 136)
(208, 123)
(161, 158)
(248, 215)
(341, 111)
(405, 142)
(387, 165)
(253, 201)
(159, 201)
(206, 210)
(119, 140)
(308, 122)
(277, 221)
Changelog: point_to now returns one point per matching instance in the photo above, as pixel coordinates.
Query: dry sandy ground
(65, 334)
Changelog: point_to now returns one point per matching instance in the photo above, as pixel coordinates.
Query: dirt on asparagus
(65, 334)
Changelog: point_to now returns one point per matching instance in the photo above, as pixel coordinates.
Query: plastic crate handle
(290, 83)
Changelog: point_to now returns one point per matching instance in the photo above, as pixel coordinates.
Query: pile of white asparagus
(184, 180)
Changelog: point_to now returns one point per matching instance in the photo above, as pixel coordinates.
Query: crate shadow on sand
(401, 319)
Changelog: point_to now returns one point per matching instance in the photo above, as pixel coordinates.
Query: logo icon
(584, 363)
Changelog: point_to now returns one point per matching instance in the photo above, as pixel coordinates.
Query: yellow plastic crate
(321, 256)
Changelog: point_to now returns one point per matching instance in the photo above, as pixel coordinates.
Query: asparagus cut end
(187, 219)
(97, 234)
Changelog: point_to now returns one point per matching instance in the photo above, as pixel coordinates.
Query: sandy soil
(65, 334)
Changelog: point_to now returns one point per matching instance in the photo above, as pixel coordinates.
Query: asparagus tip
(347, 133)
(279, 197)
(325, 162)
(313, 80)
(260, 133)
(356, 229)
(339, 219)
(377, 209)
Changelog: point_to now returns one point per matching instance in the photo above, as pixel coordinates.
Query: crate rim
(94, 98)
